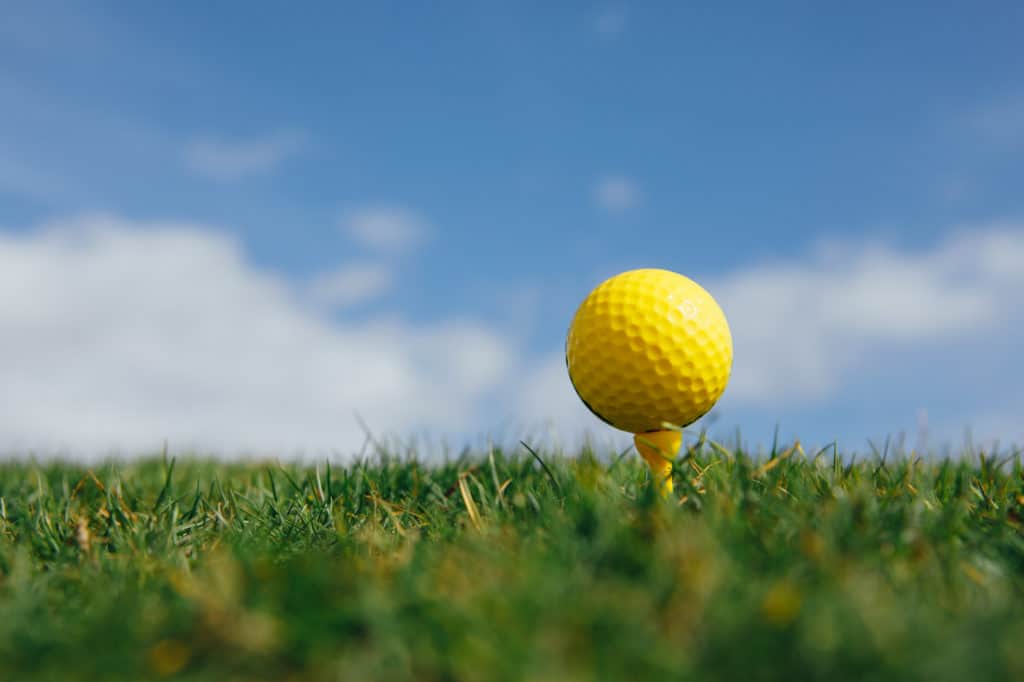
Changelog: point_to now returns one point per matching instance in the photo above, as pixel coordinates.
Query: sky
(258, 228)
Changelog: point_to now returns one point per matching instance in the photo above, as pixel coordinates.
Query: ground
(510, 566)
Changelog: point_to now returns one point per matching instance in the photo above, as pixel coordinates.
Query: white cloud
(616, 193)
(121, 334)
(801, 328)
(609, 21)
(118, 333)
(226, 159)
(351, 284)
(385, 228)
(548, 410)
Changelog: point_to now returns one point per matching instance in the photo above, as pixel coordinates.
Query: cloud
(609, 21)
(616, 193)
(801, 328)
(351, 285)
(121, 334)
(385, 228)
(547, 409)
(805, 327)
(226, 160)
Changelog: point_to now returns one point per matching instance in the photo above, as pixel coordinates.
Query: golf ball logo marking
(648, 347)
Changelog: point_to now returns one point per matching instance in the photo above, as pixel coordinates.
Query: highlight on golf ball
(649, 347)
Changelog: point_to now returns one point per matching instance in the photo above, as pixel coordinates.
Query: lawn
(507, 566)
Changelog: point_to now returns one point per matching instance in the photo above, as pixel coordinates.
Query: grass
(496, 566)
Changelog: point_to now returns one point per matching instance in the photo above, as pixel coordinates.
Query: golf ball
(648, 347)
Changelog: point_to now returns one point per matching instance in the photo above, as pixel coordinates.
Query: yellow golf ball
(648, 347)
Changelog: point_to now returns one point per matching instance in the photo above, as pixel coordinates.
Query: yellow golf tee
(659, 448)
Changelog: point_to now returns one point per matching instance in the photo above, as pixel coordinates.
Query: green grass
(491, 567)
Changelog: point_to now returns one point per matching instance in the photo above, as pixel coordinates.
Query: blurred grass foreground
(493, 567)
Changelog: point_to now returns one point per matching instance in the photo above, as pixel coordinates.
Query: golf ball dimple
(648, 347)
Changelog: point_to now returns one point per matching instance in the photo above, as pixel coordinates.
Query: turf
(789, 566)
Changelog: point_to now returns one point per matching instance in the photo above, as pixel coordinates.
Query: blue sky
(407, 183)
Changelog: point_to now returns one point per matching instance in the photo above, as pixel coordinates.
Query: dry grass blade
(467, 499)
(775, 461)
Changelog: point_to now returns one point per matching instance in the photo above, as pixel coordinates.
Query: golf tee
(659, 448)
